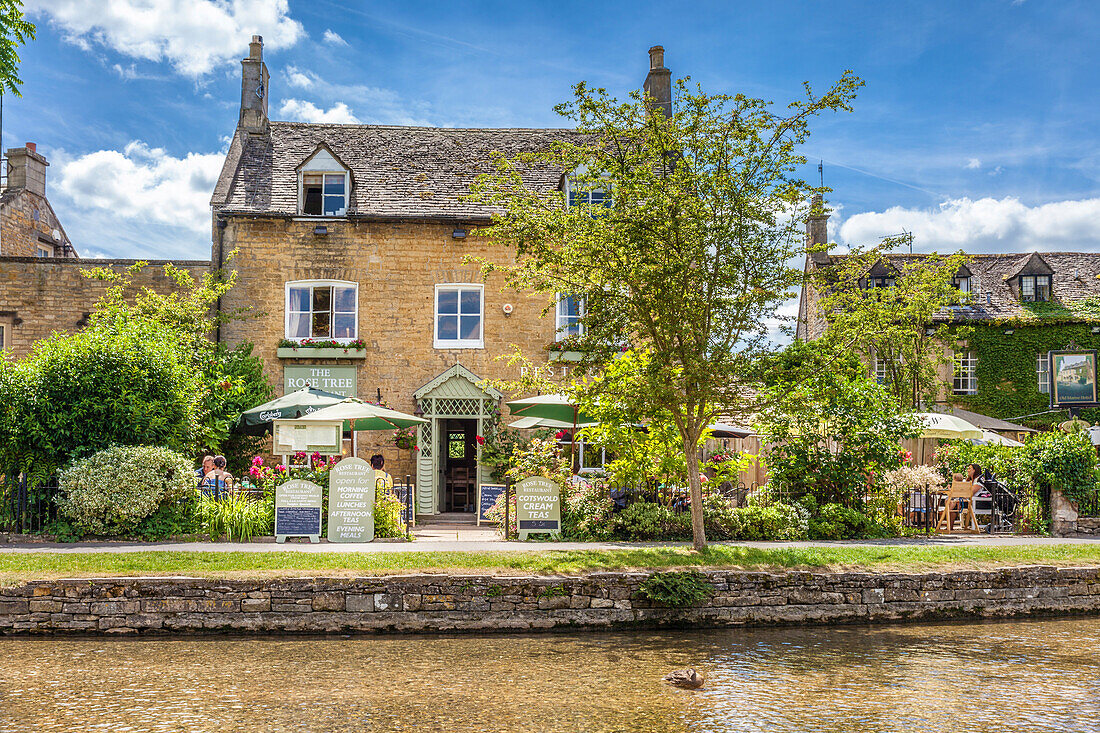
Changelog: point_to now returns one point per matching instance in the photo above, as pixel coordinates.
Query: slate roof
(1076, 275)
(397, 172)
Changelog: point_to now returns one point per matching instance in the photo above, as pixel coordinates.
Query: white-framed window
(880, 282)
(459, 316)
(325, 194)
(3, 336)
(1042, 372)
(1034, 288)
(587, 457)
(569, 312)
(577, 192)
(962, 283)
(966, 373)
(322, 309)
(878, 369)
(43, 252)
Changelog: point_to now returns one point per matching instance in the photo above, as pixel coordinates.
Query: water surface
(1004, 677)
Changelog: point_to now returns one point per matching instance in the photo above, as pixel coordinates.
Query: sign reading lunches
(1073, 378)
(298, 510)
(538, 506)
(336, 379)
(487, 496)
(324, 437)
(351, 501)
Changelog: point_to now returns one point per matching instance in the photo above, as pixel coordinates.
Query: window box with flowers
(321, 349)
(566, 349)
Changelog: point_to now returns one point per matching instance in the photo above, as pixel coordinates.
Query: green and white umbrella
(359, 415)
(526, 423)
(257, 421)
(557, 407)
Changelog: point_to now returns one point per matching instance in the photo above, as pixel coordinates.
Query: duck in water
(686, 678)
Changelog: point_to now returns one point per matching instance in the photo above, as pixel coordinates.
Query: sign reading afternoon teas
(538, 506)
(298, 510)
(336, 379)
(351, 501)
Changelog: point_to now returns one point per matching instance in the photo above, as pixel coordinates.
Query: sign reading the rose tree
(298, 510)
(351, 501)
(538, 506)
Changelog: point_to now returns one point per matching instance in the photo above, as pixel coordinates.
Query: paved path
(470, 539)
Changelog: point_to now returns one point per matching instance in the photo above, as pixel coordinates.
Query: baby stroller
(1004, 505)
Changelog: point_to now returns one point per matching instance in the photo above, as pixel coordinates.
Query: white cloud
(973, 164)
(193, 36)
(334, 38)
(297, 110)
(385, 106)
(984, 225)
(141, 185)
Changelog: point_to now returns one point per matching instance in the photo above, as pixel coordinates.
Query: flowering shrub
(112, 491)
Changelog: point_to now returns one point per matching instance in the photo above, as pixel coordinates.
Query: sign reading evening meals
(538, 506)
(298, 510)
(1073, 378)
(351, 501)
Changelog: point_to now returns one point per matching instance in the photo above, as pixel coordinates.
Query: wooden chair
(958, 490)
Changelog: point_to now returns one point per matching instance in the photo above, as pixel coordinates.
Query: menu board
(292, 436)
(351, 501)
(538, 506)
(298, 510)
(487, 496)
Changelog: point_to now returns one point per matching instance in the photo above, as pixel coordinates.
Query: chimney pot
(657, 57)
(32, 147)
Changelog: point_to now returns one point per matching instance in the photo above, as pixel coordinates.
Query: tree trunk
(698, 532)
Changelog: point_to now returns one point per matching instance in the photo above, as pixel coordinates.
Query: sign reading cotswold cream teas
(298, 510)
(538, 506)
(336, 379)
(351, 501)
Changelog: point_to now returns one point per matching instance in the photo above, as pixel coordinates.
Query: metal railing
(26, 507)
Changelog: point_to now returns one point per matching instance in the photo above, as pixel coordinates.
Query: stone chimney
(27, 169)
(254, 89)
(817, 230)
(658, 83)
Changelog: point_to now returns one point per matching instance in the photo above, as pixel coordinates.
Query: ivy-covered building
(1021, 306)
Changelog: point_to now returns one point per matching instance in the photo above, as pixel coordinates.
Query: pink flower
(316, 456)
(300, 454)
(257, 461)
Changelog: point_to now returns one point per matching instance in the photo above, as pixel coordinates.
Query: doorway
(459, 464)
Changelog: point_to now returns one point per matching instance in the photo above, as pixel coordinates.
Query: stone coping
(439, 603)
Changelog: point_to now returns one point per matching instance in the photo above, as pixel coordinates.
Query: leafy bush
(236, 516)
(233, 381)
(776, 522)
(645, 520)
(678, 588)
(387, 514)
(836, 522)
(112, 491)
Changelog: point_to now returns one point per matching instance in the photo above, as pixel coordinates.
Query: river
(998, 676)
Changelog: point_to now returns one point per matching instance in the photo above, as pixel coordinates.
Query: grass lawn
(19, 567)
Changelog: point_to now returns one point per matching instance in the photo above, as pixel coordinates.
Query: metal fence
(27, 507)
(1089, 504)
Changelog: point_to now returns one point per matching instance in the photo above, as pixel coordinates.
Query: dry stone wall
(467, 603)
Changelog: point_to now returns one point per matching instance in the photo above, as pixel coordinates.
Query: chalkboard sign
(351, 501)
(538, 506)
(487, 496)
(298, 510)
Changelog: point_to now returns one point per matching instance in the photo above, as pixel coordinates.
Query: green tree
(831, 429)
(894, 324)
(677, 238)
(15, 31)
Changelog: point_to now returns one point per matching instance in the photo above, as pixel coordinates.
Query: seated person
(219, 481)
(382, 480)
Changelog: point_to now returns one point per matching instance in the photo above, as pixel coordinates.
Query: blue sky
(977, 127)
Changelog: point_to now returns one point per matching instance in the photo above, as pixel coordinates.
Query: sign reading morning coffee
(538, 506)
(336, 379)
(351, 501)
(298, 510)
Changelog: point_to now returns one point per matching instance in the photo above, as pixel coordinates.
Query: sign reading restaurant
(336, 379)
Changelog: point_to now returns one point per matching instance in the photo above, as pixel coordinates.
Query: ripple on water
(1003, 677)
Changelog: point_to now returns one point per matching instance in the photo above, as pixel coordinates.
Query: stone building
(29, 227)
(1021, 306)
(359, 236)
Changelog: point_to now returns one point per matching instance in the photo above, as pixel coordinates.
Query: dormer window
(962, 284)
(324, 185)
(324, 194)
(581, 190)
(880, 282)
(1034, 288)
